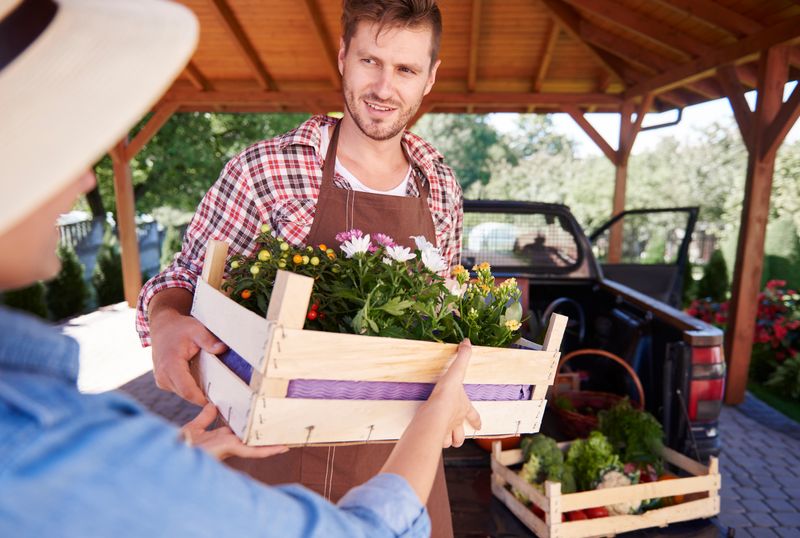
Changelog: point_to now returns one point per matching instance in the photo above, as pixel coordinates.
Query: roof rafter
(474, 37)
(698, 68)
(741, 110)
(234, 28)
(196, 77)
(644, 26)
(547, 56)
(324, 39)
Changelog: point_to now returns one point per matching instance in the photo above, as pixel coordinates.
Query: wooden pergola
(626, 57)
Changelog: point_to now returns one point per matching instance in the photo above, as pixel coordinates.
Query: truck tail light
(707, 385)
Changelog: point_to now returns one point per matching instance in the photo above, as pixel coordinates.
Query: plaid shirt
(277, 182)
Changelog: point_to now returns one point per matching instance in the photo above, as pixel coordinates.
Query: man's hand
(176, 338)
(450, 398)
(222, 442)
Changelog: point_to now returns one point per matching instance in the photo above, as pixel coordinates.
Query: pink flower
(780, 331)
(383, 240)
(348, 235)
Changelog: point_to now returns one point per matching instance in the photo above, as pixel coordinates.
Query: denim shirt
(80, 465)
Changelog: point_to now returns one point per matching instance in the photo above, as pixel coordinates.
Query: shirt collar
(309, 133)
(29, 345)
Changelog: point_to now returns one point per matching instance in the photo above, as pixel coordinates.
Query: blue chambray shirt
(80, 465)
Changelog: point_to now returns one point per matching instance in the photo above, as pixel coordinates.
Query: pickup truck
(627, 308)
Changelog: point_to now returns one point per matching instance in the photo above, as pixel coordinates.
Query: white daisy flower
(422, 243)
(400, 254)
(433, 260)
(356, 245)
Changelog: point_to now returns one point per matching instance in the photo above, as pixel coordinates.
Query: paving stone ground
(760, 459)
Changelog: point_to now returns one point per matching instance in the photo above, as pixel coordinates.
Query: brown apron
(332, 471)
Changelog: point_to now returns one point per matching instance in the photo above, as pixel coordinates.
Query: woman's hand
(450, 399)
(222, 442)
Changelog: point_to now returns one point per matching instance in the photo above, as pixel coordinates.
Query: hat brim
(94, 72)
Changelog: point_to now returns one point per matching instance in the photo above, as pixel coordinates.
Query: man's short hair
(392, 14)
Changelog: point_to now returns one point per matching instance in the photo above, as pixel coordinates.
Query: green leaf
(395, 306)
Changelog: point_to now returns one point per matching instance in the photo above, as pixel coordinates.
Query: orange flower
(297, 259)
(246, 294)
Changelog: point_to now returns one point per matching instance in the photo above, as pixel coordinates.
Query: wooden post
(763, 146)
(126, 223)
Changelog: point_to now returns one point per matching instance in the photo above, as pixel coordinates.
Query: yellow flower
(305, 260)
(484, 266)
(458, 269)
(234, 265)
(284, 246)
(264, 228)
(264, 255)
(254, 270)
(314, 261)
(297, 259)
(511, 283)
(282, 264)
(512, 325)
(323, 247)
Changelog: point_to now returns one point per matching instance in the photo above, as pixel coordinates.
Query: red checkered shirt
(277, 182)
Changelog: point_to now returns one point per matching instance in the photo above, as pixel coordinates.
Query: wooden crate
(279, 350)
(702, 486)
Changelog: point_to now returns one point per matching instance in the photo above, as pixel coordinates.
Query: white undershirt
(355, 184)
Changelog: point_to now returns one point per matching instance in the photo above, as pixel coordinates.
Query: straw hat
(75, 75)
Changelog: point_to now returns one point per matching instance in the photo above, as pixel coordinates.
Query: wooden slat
(160, 116)
(231, 395)
(556, 326)
(325, 42)
(294, 421)
(522, 512)
(716, 14)
(644, 26)
(196, 77)
(234, 28)
(297, 354)
(214, 263)
(741, 110)
(126, 223)
(592, 133)
(783, 122)
(474, 38)
(289, 302)
(247, 333)
(547, 57)
(683, 462)
(516, 481)
(745, 48)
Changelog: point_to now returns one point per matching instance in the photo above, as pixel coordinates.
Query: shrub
(786, 378)
(30, 299)
(67, 293)
(107, 277)
(715, 283)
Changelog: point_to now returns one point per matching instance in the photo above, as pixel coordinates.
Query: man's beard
(379, 131)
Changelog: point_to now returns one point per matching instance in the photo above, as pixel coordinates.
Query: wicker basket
(577, 425)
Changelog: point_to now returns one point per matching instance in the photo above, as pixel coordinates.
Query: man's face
(385, 77)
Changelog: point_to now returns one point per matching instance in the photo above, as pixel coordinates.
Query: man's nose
(383, 86)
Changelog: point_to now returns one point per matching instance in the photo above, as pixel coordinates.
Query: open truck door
(655, 250)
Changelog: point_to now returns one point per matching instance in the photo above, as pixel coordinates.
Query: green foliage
(67, 293)
(107, 277)
(785, 380)
(715, 283)
(545, 461)
(590, 458)
(173, 240)
(185, 157)
(29, 299)
(636, 435)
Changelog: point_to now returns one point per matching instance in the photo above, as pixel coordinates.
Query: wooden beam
(716, 15)
(474, 38)
(325, 42)
(126, 223)
(786, 30)
(570, 20)
(741, 110)
(188, 98)
(783, 122)
(546, 57)
(196, 77)
(234, 28)
(592, 133)
(160, 116)
(644, 26)
(773, 70)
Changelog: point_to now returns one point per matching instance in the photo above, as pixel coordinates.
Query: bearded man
(327, 176)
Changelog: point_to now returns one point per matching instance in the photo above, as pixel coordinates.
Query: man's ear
(340, 57)
(431, 77)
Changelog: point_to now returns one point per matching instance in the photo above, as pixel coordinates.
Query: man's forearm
(169, 302)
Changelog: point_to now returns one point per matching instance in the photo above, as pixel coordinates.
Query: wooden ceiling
(497, 55)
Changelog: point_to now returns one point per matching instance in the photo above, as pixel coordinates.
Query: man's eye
(369, 61)
(407, 70)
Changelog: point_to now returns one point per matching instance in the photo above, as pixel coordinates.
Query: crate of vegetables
(342, 345)
(616, 480)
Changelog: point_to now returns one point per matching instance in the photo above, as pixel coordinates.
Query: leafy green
(544, 460)
(590, 458)
(635, 435)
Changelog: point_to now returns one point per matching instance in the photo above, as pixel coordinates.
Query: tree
(29, 299)
(107, 277)
(715, 283)
(185, 157)
(67, 293)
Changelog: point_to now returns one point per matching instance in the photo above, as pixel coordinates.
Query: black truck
(628, 308)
